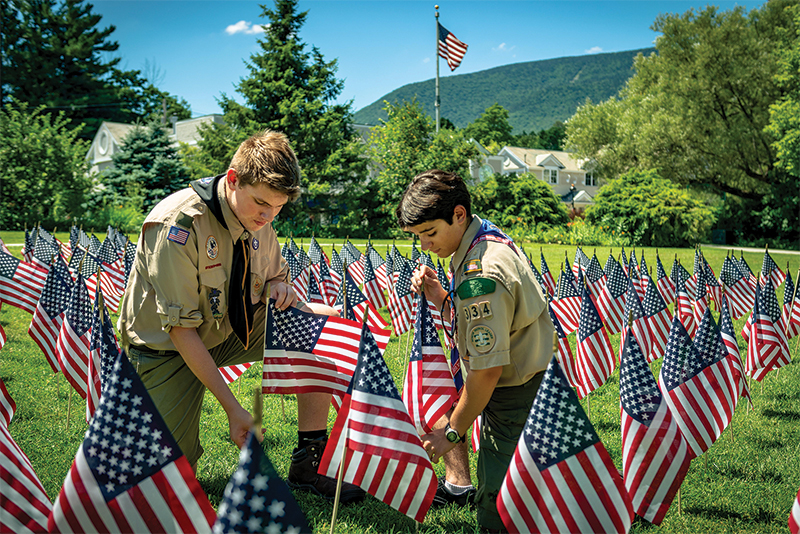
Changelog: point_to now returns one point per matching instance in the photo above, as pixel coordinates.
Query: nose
(425, 244)
(269, 213)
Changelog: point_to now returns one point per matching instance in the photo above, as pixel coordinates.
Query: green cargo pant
(502, 422)
(178, 393)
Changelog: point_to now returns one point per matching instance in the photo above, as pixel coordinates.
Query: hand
(426, 277)
(240, 422)
(436, 444)
(283, 294)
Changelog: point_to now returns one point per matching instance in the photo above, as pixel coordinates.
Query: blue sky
(199, 48)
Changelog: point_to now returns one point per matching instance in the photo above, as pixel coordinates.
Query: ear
(460, 214)
(231, 178)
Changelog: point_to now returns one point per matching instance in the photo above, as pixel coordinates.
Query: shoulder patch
(472, 266)
(482, 338)
(185, 220)
(475, 287)
(178, 235)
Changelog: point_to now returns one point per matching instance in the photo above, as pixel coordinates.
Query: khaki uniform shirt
(186, 285)
(506, 322)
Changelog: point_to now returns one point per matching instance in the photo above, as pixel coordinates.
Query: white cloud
(593, 50)
(244, 27)
(503, 47)
(426, 60)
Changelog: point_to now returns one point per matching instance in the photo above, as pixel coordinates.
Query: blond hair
(267, 158)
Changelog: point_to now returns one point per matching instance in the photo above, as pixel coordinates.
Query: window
(550, 176)
(590, 180)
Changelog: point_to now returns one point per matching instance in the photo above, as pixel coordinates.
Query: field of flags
(561, 478)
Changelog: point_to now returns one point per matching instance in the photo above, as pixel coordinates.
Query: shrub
(651, 210)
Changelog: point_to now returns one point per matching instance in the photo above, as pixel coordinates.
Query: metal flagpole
(437, 103)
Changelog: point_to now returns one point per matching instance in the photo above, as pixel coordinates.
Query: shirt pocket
(214, 294)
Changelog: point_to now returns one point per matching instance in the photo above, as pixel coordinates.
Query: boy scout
(196, 299)
(503, 330)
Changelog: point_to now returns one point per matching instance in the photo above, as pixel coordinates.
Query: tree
(519, 200)
(403, 146)
(43, 167)
(653, 211)
(491, 128)
(54, 54)
(145, 170)
(695, 110)
(784, 123)
(553, 137)
(292, 90)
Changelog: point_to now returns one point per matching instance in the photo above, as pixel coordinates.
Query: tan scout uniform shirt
(187, 285)
(509, 326)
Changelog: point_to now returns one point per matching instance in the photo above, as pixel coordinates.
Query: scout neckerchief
(240, 308)
(487, 232)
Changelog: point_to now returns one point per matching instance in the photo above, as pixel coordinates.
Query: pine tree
(292, 90)
(145, 170)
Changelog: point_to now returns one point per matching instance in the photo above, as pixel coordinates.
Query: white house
(108, 139)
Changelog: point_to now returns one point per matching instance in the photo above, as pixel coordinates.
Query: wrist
(453, 435)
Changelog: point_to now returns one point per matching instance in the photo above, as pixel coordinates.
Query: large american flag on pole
(596, 360)
(655, 456)
(383, 453)
(450, 48)
(698, 383)
(429, 391)
(307, 353)
(129, 474)
(561, 478)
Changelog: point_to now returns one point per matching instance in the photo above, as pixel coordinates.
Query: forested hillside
(536, 93)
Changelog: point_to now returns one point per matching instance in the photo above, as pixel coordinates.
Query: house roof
(579, 196)
(118, 130)
(533, 157)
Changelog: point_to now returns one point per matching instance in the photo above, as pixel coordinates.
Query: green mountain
(535, 93)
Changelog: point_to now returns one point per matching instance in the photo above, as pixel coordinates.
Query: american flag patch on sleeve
(178, 235)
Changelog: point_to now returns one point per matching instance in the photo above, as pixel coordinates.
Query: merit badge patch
(178, 235)
(258, 284)
(213, 300)
(212, 249)
(256, 244)
(475, 287)
(482, 338)
(472, 266)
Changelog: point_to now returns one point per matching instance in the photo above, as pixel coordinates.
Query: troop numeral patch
(478, 310)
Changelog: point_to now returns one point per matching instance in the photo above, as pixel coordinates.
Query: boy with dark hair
(503, 332)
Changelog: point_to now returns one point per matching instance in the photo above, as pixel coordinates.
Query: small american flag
(7, 405)
(384, 455)
(49, 314)
(429, 391)
(770, 269)
(103, 352)
(659, 320)
(700, 304)
(767, 346)
(581, 261)
(740, 293)
(21, 283)
(664, 284)
(308, 353)
(791, 308)
(256, 500)
(372, 286)
(232, 372)
(635, 311)
(567, 304)
(561, 478)
(611, 300)
(683, 307)
(731, 347)
(546, 274)
(24, 505)
(697, 382)
(596, 360)
(679, 272)
(72, 346)
(564, 352)
(401, 300)
(450, 48)
(655, 456)
(538, 276)
(357, 304)
(299, 277)
(595, 276)
(129, 473)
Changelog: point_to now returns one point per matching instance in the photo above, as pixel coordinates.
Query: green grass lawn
(746, 482)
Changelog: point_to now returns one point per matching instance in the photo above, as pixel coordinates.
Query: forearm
(478, 389)
(199, 360)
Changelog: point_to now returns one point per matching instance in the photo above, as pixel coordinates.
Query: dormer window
(590, 180)
(550, 176)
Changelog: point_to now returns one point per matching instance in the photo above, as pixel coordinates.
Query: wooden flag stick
(69, 406)
(258, 411)
(340, 476)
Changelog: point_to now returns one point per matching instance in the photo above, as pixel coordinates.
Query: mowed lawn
(746, 482)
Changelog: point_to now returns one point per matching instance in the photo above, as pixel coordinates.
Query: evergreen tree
(491, 128)
(292, 90)
(55, 54)
(145, 170)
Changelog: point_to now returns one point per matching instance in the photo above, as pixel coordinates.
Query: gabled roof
(530, 157)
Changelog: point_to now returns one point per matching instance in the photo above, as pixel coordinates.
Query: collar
(231, 222)
(466, 241)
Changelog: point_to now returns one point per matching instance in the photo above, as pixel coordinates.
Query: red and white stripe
(24, 505)
(164, 502)
(794, 516)
(7, 405)
(24, 290)
(232, 372)
(44, 331)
